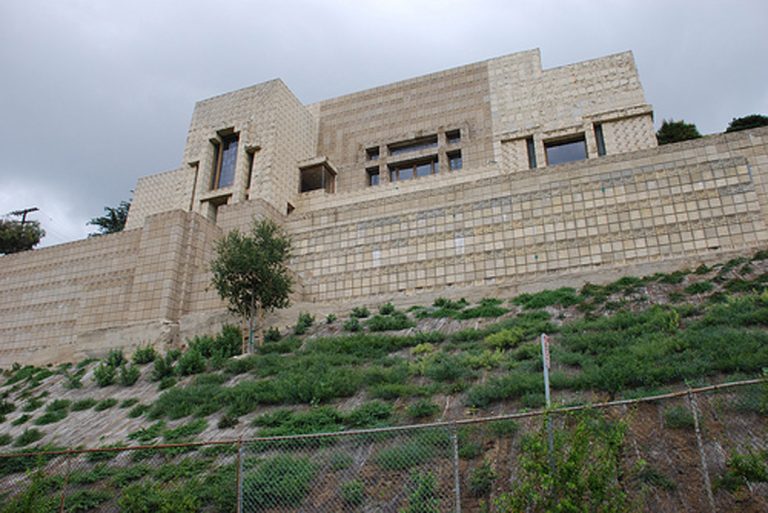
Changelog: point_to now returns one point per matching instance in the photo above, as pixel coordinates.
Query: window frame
(413, 165)
(218, 158)
(563, 141)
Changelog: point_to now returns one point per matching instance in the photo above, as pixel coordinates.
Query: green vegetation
(55, 411)
(250, 272)
(129, 375)
(672, 131)
(423, 497)
(360, 312)
(586, 471)
(353, 492)
(746, 122)
(27, 437)
(303, 323)
(422, 409)
(279, 481)
(678, 417)
(144, 355)
(105, 404)
(744, 468)
(104, 374)
(481, 479)
(562, 297)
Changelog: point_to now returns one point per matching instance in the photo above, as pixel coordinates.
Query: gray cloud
(95, 94)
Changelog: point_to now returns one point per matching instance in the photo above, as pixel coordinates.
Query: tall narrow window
(373, 175)
(531, 146)
(454, 160)
(600, 139)
(224, 159)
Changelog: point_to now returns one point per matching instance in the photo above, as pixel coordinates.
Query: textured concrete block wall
(120, 290)
(501, 228)
(162, 192)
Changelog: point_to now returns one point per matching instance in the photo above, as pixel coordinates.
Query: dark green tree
(751, 121)
(672, 131)
(250, 272)
(113, 220)
(16, 236)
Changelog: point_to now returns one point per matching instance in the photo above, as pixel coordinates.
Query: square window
(570, 150)
(372, 153)
(318, 177)
(453, 136)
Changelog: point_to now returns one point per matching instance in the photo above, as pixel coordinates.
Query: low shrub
(163, 367)
(272, 334)
(191, 362)
(353, 325)
(127, 403)
(330, 318)
(144, 355)
(287, 345)
(678, 417)
(304, 322)
(138, 410)
(86, 500)
(564, 296)
(353, 492)
(488, 307)
(745, 468)
(129, 375)
(5, 439)
(387, 309)
(360, 312)
(279, 481)
(27, 437)
(227, 422)
(55, 411)
(481, 479)
(504, 339)
(166, 383)
(18, 421)
(422, 409)
(395, 321)
(115, 358)
(699, 287)
(105, 404)
(185, 432)
(104, 374)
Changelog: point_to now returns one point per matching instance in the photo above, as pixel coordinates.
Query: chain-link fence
(702, 450)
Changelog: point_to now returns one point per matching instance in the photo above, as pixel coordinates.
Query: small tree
(16, 236)
(113, 220)
(675, 131)
(751, 121)
(250, 272)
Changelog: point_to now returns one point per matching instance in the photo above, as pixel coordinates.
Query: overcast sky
(96, 93)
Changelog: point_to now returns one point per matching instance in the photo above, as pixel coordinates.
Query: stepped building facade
(493, 177)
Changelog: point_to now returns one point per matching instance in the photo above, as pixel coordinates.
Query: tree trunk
(260, 314)
(251, 315)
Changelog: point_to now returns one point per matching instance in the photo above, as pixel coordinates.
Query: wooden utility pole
(23, 213)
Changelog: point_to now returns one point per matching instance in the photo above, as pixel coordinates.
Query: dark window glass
(224, 160)
(228, 160)
(317, 178)
(424, 169)
(415, 145)
(454, 160)
(405, 173)
(566, 151)
(373, 176)
(453, 136)
(372, 153)
(531, 153)
(600, 140)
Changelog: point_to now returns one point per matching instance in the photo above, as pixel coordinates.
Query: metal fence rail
(696, 450)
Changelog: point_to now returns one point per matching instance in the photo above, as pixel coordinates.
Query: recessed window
(453, 136)
(569, 150)
(224, 159)
(600, 139)
(454, 160)
(372, 153)
(421, 143)
(373, 175)
(317, 177)
(413, 169)
(531, 147)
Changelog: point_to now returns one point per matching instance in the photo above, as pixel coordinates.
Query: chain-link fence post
(456, 478)
(240, 476)
(704, 470)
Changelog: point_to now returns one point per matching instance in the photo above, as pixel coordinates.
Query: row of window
(322, 177)
(415, 168)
